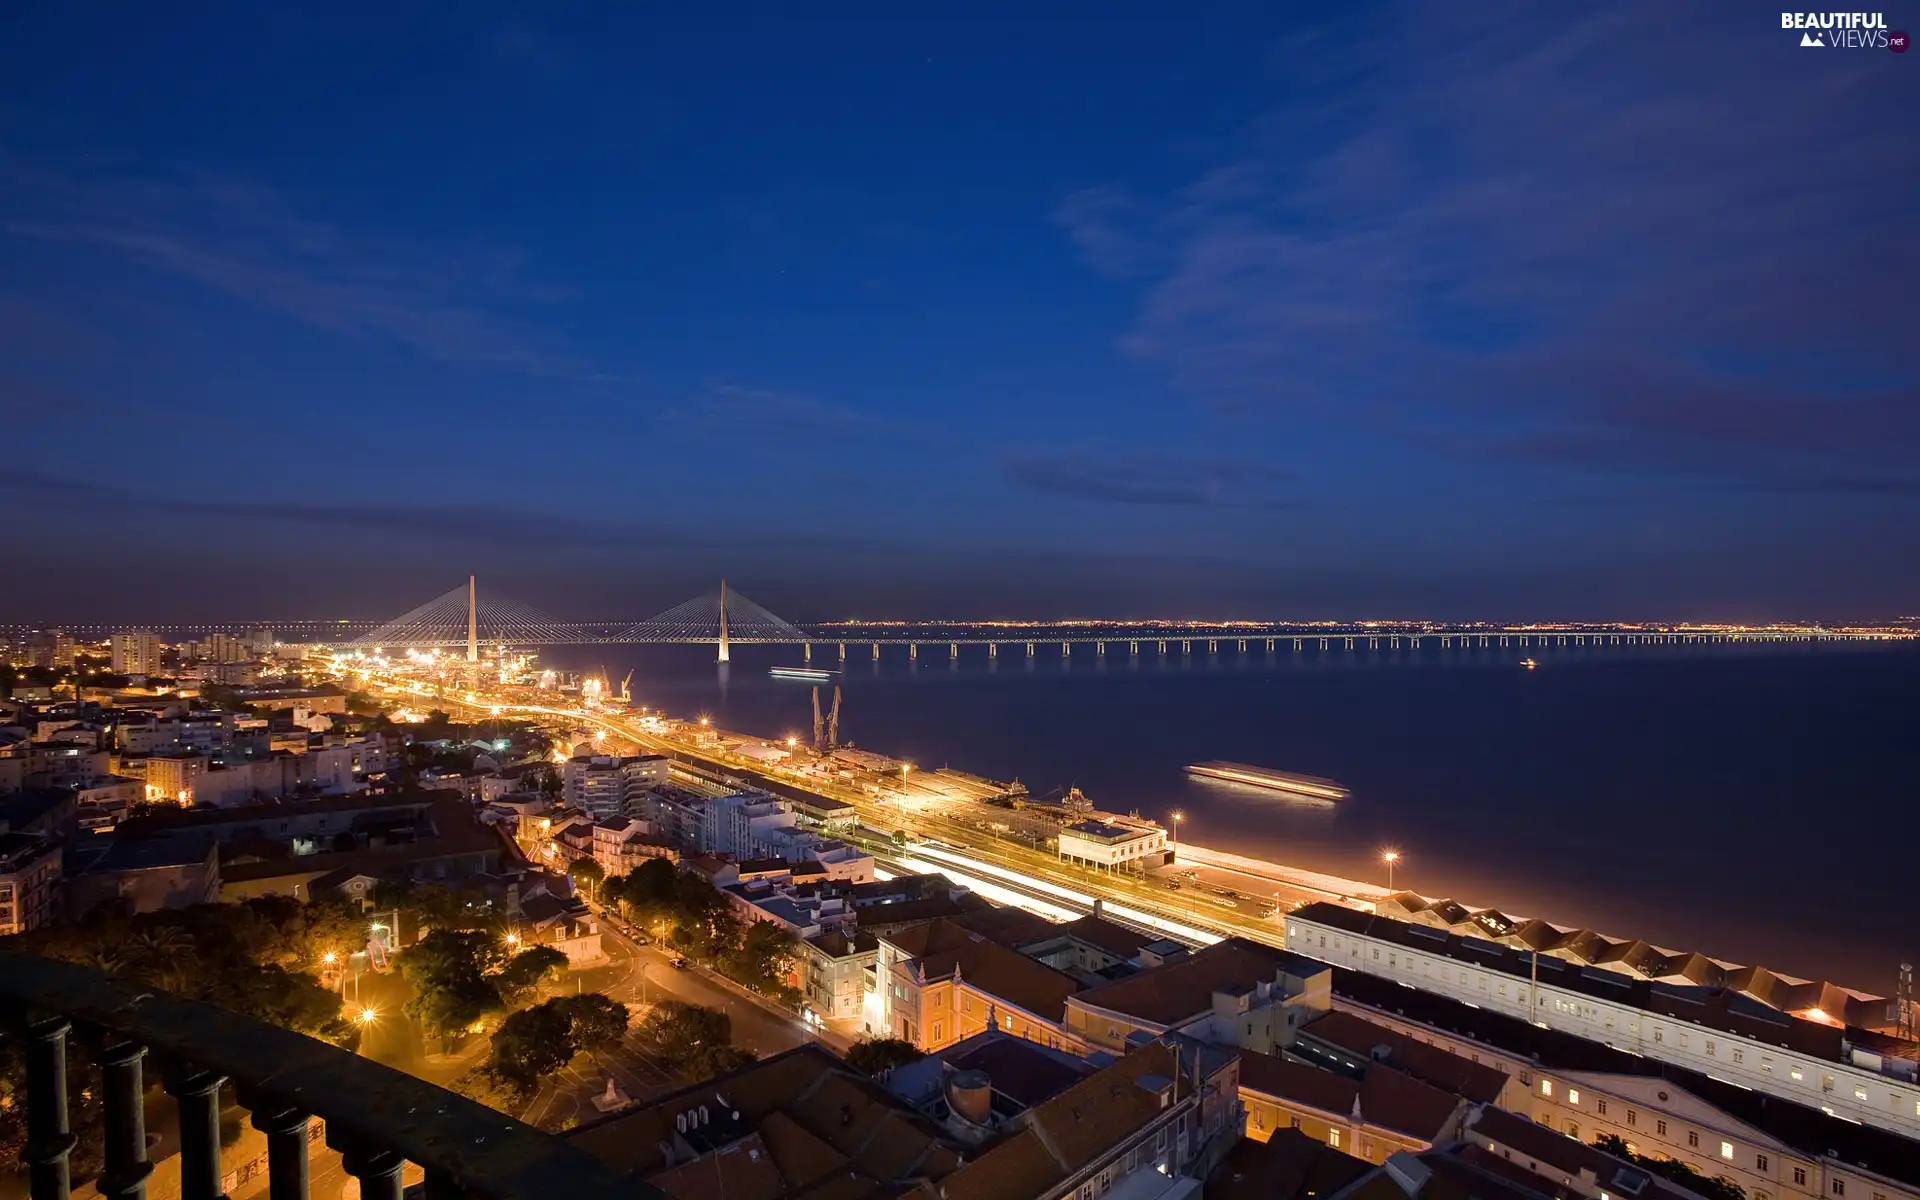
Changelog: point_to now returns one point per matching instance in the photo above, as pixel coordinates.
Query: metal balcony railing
(376, 1118)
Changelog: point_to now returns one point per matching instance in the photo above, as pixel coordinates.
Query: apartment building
(29, 881)
(135, 652)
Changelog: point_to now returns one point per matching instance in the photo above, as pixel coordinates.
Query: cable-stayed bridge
(469, 617)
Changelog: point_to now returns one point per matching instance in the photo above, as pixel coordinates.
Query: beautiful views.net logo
(1845, 31)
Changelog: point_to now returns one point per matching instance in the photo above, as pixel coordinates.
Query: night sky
(1237, 309)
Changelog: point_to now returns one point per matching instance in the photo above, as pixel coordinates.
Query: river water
(1757, 804)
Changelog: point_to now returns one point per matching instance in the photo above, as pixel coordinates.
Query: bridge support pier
(1243, 645)
(993, 649)
(1133, 649)
(806, 652)
(1186, 647)
(1066, 649)
(843, 652)
(1213, 645)
(876, 652)
(913, 650)
(1163, 649)
(1099, 649)
(953, 651)
(1029, 649)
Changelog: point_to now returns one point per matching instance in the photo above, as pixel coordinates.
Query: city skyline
(1494, 314)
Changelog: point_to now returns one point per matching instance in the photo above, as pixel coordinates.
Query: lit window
(1546, 1087)
(1726, 1151)
(1795, 1075)
(1859, 1093)
(1333, 1138)
(1573, 1095)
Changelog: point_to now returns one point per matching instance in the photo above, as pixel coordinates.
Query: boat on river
(1309, 787)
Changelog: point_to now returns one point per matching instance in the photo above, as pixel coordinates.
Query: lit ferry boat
(810, 673)
(1307, 786)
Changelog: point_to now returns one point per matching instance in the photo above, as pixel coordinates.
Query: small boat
(1528, 663)
(813, 674)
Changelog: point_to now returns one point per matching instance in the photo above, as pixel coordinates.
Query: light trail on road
(1151, 920)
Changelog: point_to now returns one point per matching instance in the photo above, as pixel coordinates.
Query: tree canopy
(873, 1055)
(693, 1042)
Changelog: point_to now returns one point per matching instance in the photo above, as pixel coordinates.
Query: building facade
(1711, 1030)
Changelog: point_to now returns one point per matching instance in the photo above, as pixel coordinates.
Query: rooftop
(812, 1118)
(1114, 938)
(942, 948)
(1716, 1007)
(1643, 959)
(1288, 1166)
(1071, 1130)
(1429, 1064)
(1179, 991)
(1384, 1097)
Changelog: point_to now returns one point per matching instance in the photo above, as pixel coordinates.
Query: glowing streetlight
(1389, 857)
(1176, 816)
(513, 939)
(792, 741)
(328, 958)
(367, 1016)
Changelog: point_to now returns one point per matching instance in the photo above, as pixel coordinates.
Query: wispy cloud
(1159, 480)
(463, 305)
(1562, 235)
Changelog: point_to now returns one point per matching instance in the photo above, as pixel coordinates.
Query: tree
(598, 1023)
(762, 961)
(1714, 1187)
(362, 704)
(531, 1043)
(694, 1042)
(526, 971)
(872, 1055)
(449, 972)
(586, 872)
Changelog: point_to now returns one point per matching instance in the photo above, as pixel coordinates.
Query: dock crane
(626, 689)
(826, 735)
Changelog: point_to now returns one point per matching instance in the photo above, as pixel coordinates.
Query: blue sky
(1263, 310)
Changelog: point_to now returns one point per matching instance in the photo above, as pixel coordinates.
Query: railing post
(377, 1170)
(123, 1081)
(196, 1094)
(442, 1186)
(287, 1150)
(49, 1139)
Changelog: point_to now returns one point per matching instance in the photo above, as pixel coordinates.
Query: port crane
(826, 735)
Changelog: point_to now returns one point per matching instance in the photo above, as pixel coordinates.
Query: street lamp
(1177, 817)
(1390, 857)
(367, 1016)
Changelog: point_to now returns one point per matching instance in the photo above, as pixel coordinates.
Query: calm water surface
(1758, 805)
